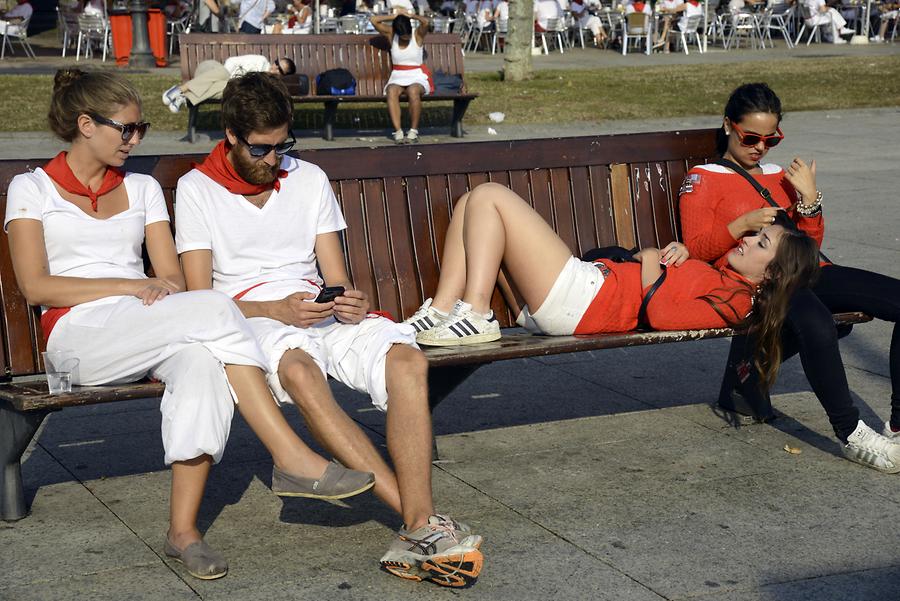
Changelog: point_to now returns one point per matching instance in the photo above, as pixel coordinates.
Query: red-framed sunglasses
(754, 139)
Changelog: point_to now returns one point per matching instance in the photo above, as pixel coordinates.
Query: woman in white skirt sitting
(409, 74)
(76, 227)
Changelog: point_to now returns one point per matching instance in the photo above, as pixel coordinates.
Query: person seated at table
(737, 6)
(687, 9)
(399, 7)
(252, 15)
(448, 8)
(889, 12)
(95, 8)
(301, 17)
(409, 74)
(834, 23)
(544, 10)
(494, 231)
(588, 21)
(484, 16)
(209, 16)
(176, 9)
(211, 77)
(638, 6)
(11, 19)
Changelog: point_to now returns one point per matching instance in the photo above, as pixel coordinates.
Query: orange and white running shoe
(442, 551)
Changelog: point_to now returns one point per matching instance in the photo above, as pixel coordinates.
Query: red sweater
(712, 197)
(693, 296)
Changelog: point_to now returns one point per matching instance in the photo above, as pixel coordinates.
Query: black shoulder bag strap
(643, 324)
(764, 192)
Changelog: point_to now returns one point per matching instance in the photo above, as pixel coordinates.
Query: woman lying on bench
(76, 227)
(555, 293)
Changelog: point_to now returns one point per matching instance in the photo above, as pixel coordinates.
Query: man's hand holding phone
(351, 306)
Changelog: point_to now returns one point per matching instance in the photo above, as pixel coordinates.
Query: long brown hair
(795, 265)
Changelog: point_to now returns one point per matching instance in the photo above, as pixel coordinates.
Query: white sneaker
(869, 448)
(398, 137)
(462, 326)
(889, 433)
(847, 31)
(426, 317)
(173, 98)
(412, 135)
(877, 39)
(839, 41)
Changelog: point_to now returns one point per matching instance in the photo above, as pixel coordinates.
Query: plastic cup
(61, 367)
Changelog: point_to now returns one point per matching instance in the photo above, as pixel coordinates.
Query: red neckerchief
(219, 169)
(695, 2)
(60, 172)
(638, 7)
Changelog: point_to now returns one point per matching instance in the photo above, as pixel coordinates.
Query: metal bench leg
(17, 428)
(330, 118)
(193, 113)
(460, 106)
(441, 382)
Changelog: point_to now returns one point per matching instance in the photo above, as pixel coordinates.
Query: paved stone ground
(602, 475)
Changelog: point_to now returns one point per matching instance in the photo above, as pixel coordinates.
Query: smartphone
(329, 293)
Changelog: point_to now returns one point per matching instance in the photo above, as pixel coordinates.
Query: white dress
(411, 56)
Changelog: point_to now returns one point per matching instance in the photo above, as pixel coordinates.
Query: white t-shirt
(253, 11)
(629, 8)
(246, 63)
(249, 245)
(545, 10)
(689, 11)
(407, 4)
(671, 4)
(82, 246)
(19, 11)
(502, 11)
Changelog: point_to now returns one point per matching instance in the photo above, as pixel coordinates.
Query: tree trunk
(519, 38)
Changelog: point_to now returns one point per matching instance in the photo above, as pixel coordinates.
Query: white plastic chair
(16, 32)
(499, 33)
(67, 26)
(813, 32)
(690, 31)
(744, 26)
(555, 29)
(177, 26)
(776, 19)
(92, 28)
(635, 29)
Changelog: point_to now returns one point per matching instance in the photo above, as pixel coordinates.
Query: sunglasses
(258, 151)
(128, 129)
(754, 139)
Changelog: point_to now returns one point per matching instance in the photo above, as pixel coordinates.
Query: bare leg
(256, 404)
(188, 483)
(393, 104)
(414, 93)
(332, 427)
(452, 283)
(500, 227)
(409, 432)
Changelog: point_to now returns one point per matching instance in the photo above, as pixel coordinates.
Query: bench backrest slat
(397, 201)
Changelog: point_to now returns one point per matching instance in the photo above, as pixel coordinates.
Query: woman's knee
(810, 320)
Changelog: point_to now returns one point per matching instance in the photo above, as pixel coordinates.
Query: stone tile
(137, 583)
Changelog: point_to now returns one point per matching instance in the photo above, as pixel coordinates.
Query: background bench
(366, 56)
(397, 201)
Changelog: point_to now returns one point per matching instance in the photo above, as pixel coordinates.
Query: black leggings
(809, 330)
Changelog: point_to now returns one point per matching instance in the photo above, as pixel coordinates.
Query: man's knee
(404, 359)
(299, 373)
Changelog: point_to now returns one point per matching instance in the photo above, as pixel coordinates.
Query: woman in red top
(718, 206)
(555, 293)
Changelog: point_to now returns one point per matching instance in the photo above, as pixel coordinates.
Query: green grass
(553, 96)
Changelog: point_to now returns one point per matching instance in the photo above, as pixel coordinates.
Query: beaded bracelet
(810, 210)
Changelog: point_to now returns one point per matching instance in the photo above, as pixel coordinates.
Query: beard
(253, 171)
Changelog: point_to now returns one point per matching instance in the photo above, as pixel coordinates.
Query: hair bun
(66, 77)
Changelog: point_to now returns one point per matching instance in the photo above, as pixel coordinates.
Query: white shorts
(571, 295)
(407, 77)
(353, 354)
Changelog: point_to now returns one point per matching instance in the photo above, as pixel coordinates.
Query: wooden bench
(366, 56)
(397, 201)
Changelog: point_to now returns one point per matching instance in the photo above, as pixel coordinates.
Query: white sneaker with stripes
(868, 447)
(426, 317)
(462, 326)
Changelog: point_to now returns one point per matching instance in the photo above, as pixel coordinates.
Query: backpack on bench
(335, 82)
